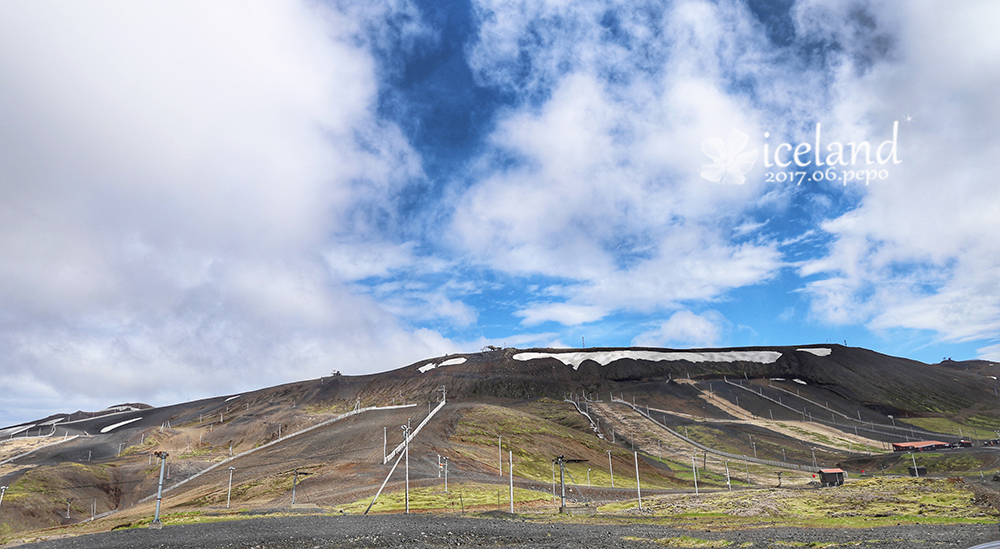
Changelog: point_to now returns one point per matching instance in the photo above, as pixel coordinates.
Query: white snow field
(450, 362)
(606, 357)
(817, 352)
(110, 428)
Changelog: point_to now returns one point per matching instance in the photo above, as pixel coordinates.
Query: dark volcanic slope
(881, 382)
(887, 384)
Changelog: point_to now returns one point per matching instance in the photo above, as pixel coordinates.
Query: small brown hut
(831, 477)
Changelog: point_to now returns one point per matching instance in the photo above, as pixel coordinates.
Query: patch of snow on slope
(817, 352)
(119, 424)
(450, 362)
(234, 397)
(799, 381)
(15, 430)
(606, 357)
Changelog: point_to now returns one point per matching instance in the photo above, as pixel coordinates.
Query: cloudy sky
(200, 198)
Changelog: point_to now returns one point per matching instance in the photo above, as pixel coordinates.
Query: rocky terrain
(428, 532)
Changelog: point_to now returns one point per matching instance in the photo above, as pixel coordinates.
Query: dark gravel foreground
(432, 531)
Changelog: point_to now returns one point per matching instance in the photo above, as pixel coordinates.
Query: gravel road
(433, 531)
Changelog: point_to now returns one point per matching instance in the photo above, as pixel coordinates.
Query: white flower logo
(730, 165)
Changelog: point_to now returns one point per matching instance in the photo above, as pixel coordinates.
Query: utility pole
(446, 474)
(3, 489)
(500, 453)
(406, 452)
(611, 469)
(562, 482)
(510, 469)
(230, 491)
(728, 481)
(694, 473)
(638, 490)
(385, 442)
(156, 524)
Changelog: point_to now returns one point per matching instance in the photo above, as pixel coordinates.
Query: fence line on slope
(647, 415)
(19, 456)
(862, 425)
(399, 448)
(273, 442)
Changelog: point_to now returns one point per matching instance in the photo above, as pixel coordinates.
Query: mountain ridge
(854, 373)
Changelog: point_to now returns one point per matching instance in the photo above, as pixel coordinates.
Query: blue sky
(198, 199)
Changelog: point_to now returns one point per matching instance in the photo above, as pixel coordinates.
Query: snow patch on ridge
(119, 424)
(606, 357)
(450, 362)
(15, 430)
(818, 352)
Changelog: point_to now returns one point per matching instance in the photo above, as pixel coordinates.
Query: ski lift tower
(562, 461)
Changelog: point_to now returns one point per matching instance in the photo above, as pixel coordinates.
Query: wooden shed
(831, 477)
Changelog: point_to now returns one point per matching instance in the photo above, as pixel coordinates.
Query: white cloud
(360, 260)
(990, 352)
(563, 313)
(595, 179)
(606, 191)
(920, 251)
(172, 173)
(684, 328)
(419, 302)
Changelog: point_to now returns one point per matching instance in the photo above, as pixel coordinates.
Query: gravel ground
(432, 531)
